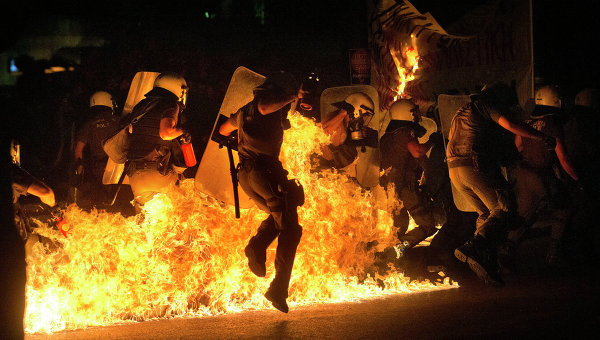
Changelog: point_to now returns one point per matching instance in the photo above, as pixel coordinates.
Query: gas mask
(308, 106)
(359, 119)
(360, 110)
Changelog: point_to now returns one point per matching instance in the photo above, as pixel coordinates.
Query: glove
(550, 142)
(79, 168)
(185, 137)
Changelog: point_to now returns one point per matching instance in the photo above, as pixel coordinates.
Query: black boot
(277, 297)
(256, 250)
(256, 260)
(284, 260)
(412, 238)
(481, 257)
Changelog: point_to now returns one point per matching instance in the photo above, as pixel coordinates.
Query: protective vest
(397, 162)
(145, 138)
(259, 135)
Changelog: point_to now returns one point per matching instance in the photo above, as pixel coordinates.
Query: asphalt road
(558, 305)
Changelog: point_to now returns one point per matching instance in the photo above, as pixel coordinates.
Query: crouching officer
(24, 184)
(400, 156)
(475, 155)
(260, 126)
(348, 130)
(155, 158)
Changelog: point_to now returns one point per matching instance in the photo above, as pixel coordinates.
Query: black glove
(79, 168)
(229, 141)
(436, 137)
(550, 142)
(185, 137)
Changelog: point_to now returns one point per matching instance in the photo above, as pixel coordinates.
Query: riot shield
(366, 167)
(213, 176)
(141, 84)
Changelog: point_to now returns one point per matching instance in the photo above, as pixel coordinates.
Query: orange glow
(407, 63)
(186, 259)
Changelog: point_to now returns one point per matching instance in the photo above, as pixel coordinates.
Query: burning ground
(185, 258)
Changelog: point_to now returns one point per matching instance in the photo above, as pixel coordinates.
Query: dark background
(297, 35)
(565, 32)
(205, 41)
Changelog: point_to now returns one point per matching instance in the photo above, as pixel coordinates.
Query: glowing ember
(186, 257)
(407, 63)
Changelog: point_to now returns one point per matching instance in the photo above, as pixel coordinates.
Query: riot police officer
(155, 158)
(260, 125)
(102, 123)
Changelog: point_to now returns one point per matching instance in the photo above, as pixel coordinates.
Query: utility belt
(480, 163)
(456, 163)
(163, 168)
(290, 189)
(263, 163)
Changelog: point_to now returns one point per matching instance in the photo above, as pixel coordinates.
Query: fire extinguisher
(63, 226)
(187, 149)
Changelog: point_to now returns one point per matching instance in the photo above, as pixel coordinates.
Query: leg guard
(284, 259)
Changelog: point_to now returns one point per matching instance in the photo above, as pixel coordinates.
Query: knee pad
(296, 233)
(294, 193)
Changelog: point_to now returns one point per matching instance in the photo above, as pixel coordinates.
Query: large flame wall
(185, 258)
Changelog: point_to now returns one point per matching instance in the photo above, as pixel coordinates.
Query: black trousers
(265, 183)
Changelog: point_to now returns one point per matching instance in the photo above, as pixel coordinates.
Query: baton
(119, 184)
(234, 180)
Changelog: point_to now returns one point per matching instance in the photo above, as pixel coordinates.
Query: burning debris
(407, 62)
(185, 256)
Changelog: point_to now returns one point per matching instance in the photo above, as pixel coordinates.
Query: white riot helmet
(360, 109)
(547, 102)
(405, 109)
(548, 96)
(15, 152)
(102, 98)
(173, 83)
(588, 97)
(357, 105)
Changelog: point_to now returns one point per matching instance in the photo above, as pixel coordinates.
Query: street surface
(558, 305)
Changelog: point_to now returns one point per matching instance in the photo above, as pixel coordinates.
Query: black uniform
(21, 180)
(13, 267)
(404, 171)
(92, 133)
(263, 178)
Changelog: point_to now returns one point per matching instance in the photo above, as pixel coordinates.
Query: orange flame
(407, 63)
(185, 258)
